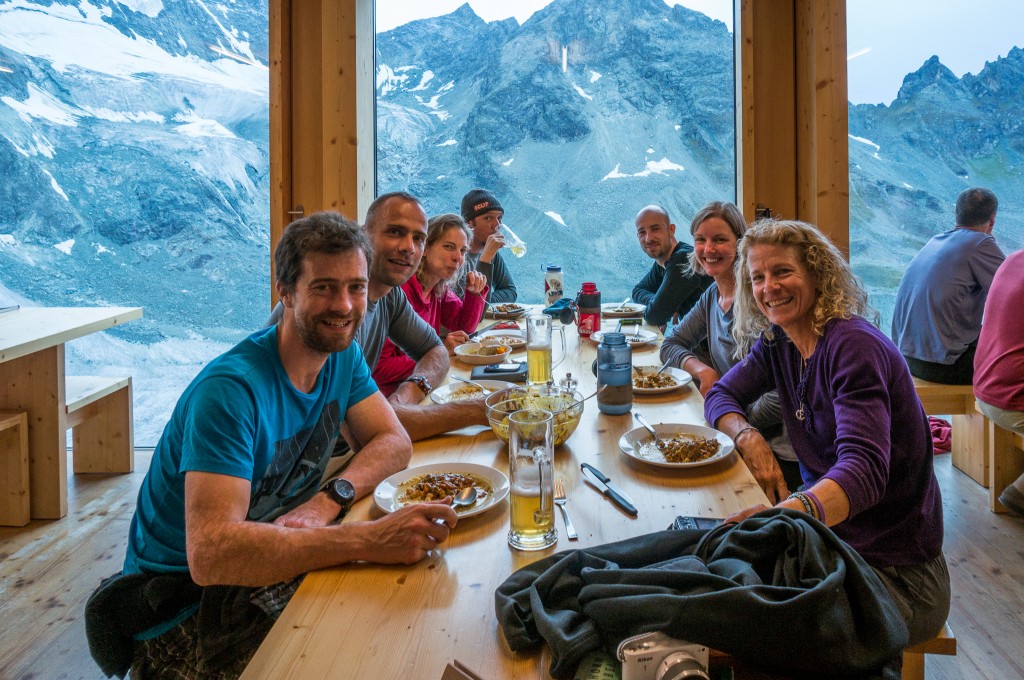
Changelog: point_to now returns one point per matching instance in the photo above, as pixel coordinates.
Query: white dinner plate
(639, 444)
(467, 353)
(632, 339)
(681, 377)
(514, 311)
(509, 336)
(616, 310)
(386, 493)
(442, 393)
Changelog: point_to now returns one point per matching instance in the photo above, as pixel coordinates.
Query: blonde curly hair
(839, 293)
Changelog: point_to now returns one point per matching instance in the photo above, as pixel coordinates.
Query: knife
(601, 482)
(485, 329)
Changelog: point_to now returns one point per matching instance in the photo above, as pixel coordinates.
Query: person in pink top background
(430, 294)
(999, 361)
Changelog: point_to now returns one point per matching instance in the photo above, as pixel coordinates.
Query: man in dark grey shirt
(669, 288)
(483, 214)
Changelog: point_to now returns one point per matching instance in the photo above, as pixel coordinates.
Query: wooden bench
(15, 509)
(970, 447)
(913, 657)
(99, 413)
(1005, 462)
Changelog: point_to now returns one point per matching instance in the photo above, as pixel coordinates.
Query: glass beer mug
(513, 242)
(530, 451)
(538, 348)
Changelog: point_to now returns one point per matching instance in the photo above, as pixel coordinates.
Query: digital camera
(656, 656)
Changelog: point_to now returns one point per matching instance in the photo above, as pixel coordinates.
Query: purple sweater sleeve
(746, 381)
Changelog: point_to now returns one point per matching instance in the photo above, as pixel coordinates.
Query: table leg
(35, 384)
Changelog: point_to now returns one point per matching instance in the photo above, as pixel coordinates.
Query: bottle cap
(553, 267)
(589, 287)
(614, 338)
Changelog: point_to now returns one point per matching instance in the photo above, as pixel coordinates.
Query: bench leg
(971, 446)
(913, 666)
(104, 441)
(1006, 464)
(15, 509)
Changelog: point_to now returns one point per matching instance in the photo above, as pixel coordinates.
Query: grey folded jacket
(779, 590)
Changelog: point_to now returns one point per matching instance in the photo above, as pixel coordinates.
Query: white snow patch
(8, 240)
(508, 162)
(181, 41)
(195, 126)
(124, 116)
(650, 150)
(82, 28)
(65, 246)
(388, 80)
(42, 104)
(581, 92)
(650, 168)
(595, 76)
(448, 142)
(678, 127)
(565, 59)
(440, 177)
(56, 187)
(865, 141)
(555, 216)
(907, 186)
(151, 8)
(403, 69)
(101, 249)
(426, 78)
(448, 86)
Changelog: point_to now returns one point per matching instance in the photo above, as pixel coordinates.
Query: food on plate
(434, 486)
(491, 350)
(688, 448)
(507, 308)
(464, 392)
(512, 341)
(650, 381)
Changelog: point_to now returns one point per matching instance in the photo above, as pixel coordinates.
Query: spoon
(599, 391)
(466, 496)
(622, 305)
(663, 367)
(643, 421)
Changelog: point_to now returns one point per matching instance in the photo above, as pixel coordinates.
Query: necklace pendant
(800, 413)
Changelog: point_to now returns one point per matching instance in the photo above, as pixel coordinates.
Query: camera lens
(680, 666)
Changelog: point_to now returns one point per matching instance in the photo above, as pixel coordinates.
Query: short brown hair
(322, 232)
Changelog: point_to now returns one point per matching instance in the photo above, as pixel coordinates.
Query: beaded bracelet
(817, 505)
(804, 500)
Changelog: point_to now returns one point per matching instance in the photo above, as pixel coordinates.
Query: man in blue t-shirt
(233, 495)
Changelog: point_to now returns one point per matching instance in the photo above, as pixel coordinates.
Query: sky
(887, 39)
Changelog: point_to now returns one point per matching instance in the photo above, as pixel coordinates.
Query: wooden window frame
(791, 112)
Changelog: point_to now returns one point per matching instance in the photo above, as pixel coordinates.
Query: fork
(560, 501)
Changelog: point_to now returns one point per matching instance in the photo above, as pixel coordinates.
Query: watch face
(343, 493)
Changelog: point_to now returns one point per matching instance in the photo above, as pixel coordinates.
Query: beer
(538, 362)
(518, 249)
(532, 527)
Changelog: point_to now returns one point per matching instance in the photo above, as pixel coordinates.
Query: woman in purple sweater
(849, 406)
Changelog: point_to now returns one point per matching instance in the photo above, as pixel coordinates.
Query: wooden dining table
(32, 379)
(410, 621)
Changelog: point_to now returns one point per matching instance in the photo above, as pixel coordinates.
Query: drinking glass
(530, 450)
(514, 243)
(538, 348)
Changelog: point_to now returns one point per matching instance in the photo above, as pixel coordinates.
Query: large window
(134, 147)
(575, 115)
(935, 98)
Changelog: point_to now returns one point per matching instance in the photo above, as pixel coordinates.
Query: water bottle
(588, 304)
(614, 369)
(552, 284)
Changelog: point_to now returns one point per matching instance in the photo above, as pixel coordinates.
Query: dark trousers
(960, 372)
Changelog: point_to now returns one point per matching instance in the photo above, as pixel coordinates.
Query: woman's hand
(454, 339)
(475, 282)
(760, 460)
(737, 517)
(706, 377)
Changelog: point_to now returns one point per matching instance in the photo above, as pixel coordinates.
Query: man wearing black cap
(483, 214)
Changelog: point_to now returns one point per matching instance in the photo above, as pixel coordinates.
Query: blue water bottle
(614, 369)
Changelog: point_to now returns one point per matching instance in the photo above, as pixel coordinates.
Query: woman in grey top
(717, 229)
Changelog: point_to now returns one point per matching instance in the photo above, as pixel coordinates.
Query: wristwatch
(421, 382)
(341, 492)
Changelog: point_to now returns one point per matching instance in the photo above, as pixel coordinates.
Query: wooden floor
(48, 569)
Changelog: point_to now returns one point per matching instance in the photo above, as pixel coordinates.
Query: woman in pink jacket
(430, 295)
